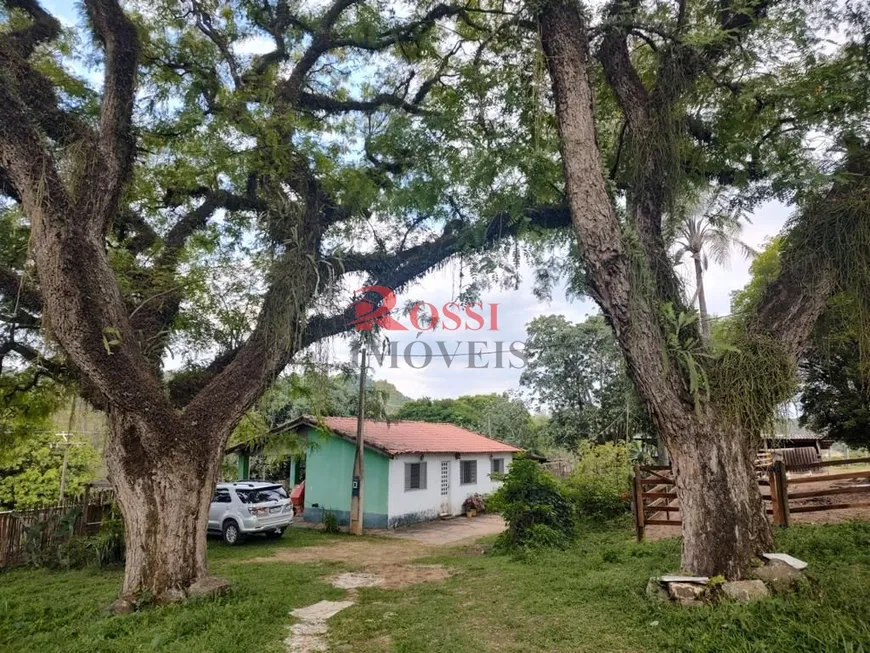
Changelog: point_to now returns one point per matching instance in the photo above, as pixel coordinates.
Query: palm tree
(704, 232)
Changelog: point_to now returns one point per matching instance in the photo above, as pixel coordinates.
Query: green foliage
(835, 374)
(599, 485)
(27, 403)
(108, 546)
(30, 469)
(330, 522)
(534, 506)
(73, 553)
(214, 120)
(716, 582)
(576, 371)
(500, 416)
(685, 347)
(743, 377)
(50, 542)
(314, 391)
(309, 392)
(44, 540)
(750, 380)
(390, 396)
(765, 267)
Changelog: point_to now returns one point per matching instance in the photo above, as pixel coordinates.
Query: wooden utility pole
(356, 498)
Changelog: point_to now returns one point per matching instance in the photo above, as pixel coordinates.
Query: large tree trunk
(163, 486)
(725, 527)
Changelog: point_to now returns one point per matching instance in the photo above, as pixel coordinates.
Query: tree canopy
(356, 115)
(577, 372)
(316, 392)
(31, 469)
(496, 415)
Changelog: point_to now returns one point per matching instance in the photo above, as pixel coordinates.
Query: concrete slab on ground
(446, 531)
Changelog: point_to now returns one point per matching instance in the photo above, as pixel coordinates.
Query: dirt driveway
(390, 554)
(449, 531)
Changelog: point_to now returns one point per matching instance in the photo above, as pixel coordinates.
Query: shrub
(330, 522)
(43, 539)
(599, 485)
(536, 510)
(108, 547)
(65, 550)
(73, 553)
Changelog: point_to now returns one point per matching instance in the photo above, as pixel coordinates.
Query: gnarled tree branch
(792, 303)
(43, 29)
(18, 291)
(111, 166)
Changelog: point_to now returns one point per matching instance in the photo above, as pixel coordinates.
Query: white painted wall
(418, 505)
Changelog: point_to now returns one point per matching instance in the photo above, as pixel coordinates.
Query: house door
(445, 487)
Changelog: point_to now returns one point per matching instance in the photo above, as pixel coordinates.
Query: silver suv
(245, 507)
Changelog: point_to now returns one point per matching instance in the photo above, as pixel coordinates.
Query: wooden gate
(654, 498)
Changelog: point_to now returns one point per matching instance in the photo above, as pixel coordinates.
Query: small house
(413, 471)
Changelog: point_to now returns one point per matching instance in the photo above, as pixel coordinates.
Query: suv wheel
(232, 534)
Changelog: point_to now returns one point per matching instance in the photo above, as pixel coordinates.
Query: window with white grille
(415, 476)
(468, 472)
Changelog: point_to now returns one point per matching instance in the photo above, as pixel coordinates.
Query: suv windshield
(261, 495)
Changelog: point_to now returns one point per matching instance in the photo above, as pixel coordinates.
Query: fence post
(782, 493)
(82, 521)
(772, 480)
(638, 504)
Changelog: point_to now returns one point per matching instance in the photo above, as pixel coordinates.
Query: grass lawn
(589, 598)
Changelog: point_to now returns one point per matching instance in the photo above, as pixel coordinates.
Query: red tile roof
(415, 437)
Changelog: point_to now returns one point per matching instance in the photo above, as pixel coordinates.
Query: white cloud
(515, 308)
(518, 307)
(254, 45)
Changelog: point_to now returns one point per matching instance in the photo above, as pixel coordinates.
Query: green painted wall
(328, 471)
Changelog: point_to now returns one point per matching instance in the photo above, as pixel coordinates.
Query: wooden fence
(853, 484)
(654, 500)
(78, 516)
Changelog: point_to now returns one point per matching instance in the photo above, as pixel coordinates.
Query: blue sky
(65, 11)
